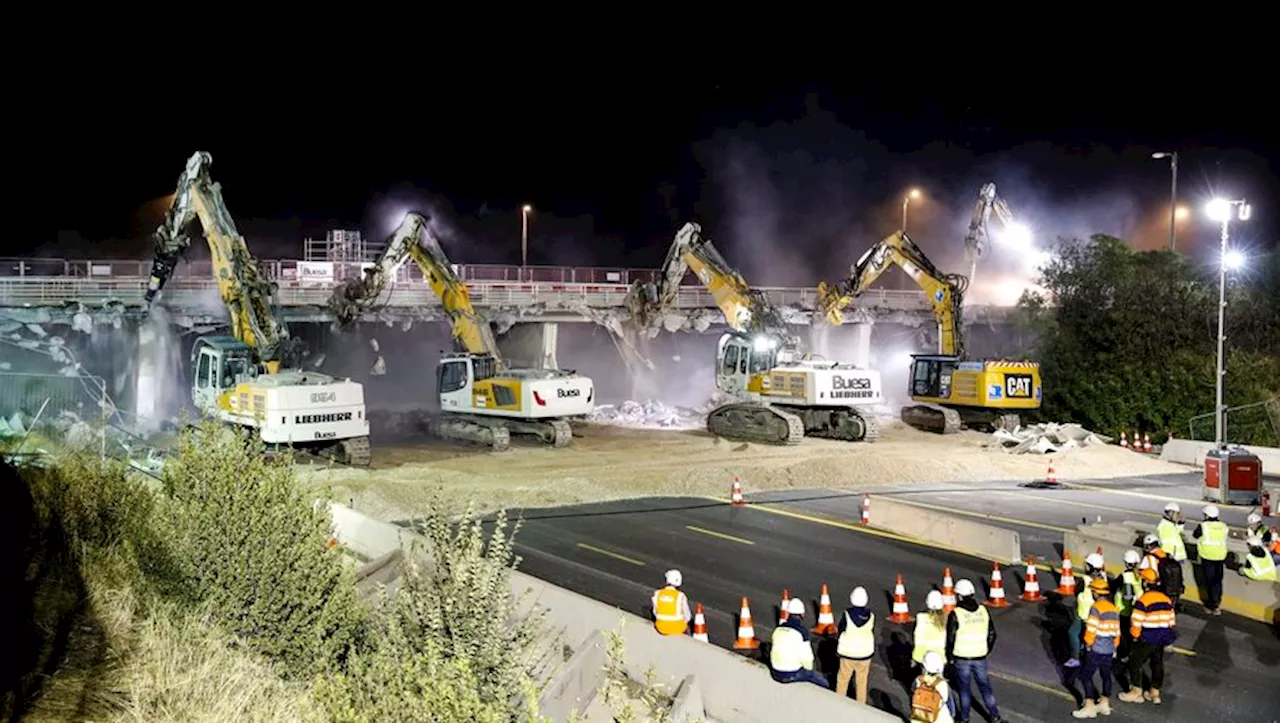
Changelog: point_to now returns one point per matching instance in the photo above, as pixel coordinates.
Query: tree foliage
(1128, 340)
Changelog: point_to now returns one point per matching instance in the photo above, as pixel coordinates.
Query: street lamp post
(1173, 194)
(906, 200)
(524, 235)
(1221, 210)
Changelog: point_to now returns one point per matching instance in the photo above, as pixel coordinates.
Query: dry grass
(610, 462)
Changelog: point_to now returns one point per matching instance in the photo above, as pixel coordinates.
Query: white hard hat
(1254, 518)
(933, 663)
(1132, 557)
(795, 606)
(1210, 510)
(1172, 507)
(1254, 541)
(1095, 560)
(1151, 539)
(674, 578)
(964, 587)
(859, 597)
(933, 601)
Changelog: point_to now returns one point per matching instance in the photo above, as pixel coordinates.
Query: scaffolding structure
(342, 246)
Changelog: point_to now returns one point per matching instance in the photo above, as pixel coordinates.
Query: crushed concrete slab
(651, 414)
(379, 367)
(1047, 438)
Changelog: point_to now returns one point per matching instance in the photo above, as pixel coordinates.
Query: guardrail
(57, 291)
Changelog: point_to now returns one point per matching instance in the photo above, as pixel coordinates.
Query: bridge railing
(197, 293)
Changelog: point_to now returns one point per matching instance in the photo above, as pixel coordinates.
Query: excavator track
(355, 452)
(755, 422)
(496, 432)
(931, 418)
(847, 425)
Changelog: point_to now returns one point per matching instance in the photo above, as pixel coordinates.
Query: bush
(253, 546)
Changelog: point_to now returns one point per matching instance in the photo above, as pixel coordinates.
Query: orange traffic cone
(1067, 580)
(1146, 442)
(782, 609)
(866, 509)
(736, 495)
(700, 625)
(826, 618)
(1124, 440)
(746, 630)
(1031, 586)
(900, 612)
(948, 592)
(1052, 476)
(996, 599)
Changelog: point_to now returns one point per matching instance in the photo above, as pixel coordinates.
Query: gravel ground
(610, 462)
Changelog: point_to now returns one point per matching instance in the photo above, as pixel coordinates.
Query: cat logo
(1017, 385)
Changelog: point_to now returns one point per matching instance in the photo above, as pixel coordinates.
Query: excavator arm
(945, 291)
(413, 240)
(978, 236)
(248, 295)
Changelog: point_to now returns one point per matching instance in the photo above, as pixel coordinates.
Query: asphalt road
(617, 553)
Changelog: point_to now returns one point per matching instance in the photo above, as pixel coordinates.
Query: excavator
(480, 399)
(250, 378)
(778, 394)
(949, 390)
(975, 240)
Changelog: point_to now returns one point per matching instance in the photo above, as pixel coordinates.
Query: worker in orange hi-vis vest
(671, 614)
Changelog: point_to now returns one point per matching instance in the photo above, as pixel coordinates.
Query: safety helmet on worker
(1172, 507)
(1148, 575)
(933, 662)
(1099, 585)
(858, 598)
(933, 601)
(674, 578)
(1254, 541)
(1254, 518)
(1132, 557)
(1150, 541)
(1210, 512)
(964, 588)
(795, 606)
(1095, 561)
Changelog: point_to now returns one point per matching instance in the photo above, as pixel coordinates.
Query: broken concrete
(1045, 439)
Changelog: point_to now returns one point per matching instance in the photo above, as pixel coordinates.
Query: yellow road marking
(982, 515)
(721, 535)
(1184, 651)
(1147, 495)
(1031, 684)
(1082, 504)
(614, 555)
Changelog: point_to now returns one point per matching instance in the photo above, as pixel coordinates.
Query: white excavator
(480, 399)
(778, 393)
(250, 378)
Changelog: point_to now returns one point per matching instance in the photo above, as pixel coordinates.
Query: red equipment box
(1243, 477)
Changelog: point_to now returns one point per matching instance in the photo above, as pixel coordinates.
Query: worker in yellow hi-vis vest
(1211, 542)
(670, 606)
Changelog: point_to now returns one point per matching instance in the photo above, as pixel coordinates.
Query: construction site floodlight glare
(763, 342)
(1233, 260)
(1015, 235)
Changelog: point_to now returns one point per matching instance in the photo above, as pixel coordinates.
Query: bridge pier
(531, 345)
(862, 343)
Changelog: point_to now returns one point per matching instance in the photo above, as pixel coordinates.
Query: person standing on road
(1094, 568)
(1128, 588)
(791, 655)
(671, 607)
(931, 699)
(1153, 627)
(856, 645)
(1259, 564)
(1168, 571)
(1170, 532)
(1101, 635)
(931, 629)
(1211, 536)
(970, 638)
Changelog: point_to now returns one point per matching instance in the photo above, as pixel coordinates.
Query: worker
(791, 656)
(1211, 536)
(1101, 635)
(1154, 628)
(671, 607)
(970, 638)
(1170, 532)
(931, 699)
(1167, 570)
(856, 645)
(1257, 529)
(1128, 588)
(1094, 568)
(1260, 565)
(931, 629)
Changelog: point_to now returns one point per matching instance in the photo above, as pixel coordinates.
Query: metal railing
(1261, 424)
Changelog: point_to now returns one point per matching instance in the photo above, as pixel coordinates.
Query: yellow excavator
(950, 391)
(779, 395)
(250, 377)
(480, 399)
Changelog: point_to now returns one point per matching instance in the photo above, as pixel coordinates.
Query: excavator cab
(743, 361)
(931, 376)
(221, 362)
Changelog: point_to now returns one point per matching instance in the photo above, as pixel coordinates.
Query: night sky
(792, 178)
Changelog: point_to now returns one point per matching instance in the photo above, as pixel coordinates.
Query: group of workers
(1131, 619)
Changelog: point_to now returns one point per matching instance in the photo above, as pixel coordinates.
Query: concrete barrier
(1244, 597)
(952, 531)
(732, 687)
(1187, 451)
(578, 681)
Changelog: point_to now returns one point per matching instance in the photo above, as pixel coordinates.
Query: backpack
(926, 702)
(1170, 572)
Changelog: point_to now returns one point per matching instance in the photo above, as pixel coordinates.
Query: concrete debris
(374, 343)
(1045, 439)
(316, 360)
(82, 322)
(379, 367)
(650, 415)
(12, 428)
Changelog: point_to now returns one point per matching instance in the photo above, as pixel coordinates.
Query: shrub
(253, 546)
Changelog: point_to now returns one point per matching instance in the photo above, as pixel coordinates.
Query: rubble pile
(1045, 439)
(650, 415)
